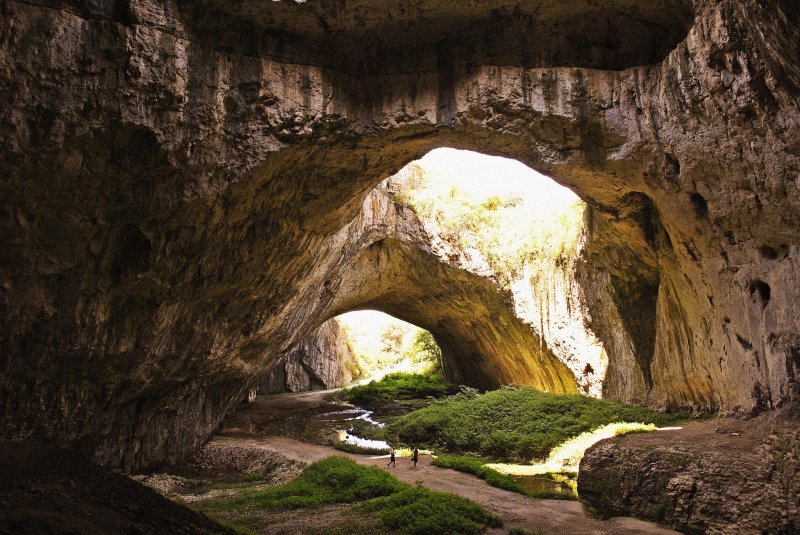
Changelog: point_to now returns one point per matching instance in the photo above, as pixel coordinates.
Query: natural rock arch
(483, 343)
(234, 168)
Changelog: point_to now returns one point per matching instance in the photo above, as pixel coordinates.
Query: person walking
(391, 458)
(415, 456)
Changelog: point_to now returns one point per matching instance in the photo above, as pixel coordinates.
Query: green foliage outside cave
(510, 232)
(382, 344)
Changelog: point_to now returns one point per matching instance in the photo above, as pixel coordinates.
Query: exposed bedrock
(322, 360)
(175, 181)
(720, 476)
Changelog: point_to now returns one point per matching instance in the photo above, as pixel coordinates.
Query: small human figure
(391, 458)
(415, 456)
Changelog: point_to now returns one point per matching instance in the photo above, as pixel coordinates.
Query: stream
(347, 436)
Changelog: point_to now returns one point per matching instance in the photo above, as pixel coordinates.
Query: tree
(427, 349)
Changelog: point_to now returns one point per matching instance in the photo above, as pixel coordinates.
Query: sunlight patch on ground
(567, 456)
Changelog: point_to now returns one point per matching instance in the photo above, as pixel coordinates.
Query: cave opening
(381, 344)
(483, 252)
(355, 348)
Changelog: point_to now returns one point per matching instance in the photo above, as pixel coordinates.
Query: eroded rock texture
(176, 178)
(483, 342)
(322, 360)
(723, 476)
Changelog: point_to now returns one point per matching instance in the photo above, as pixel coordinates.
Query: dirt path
(516, 510)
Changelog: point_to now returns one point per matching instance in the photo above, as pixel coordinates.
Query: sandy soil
(516, 510)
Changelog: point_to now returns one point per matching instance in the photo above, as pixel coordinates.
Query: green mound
(515, 424)
(398, 386)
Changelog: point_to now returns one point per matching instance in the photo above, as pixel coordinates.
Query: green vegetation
(398, 386)
(424, 349)
(381, 343)
(419, 511)
(477, 467)
(331, 480)
(511, 423)
(507, 228)
(401, 508)
(354, 448)
(520, 531)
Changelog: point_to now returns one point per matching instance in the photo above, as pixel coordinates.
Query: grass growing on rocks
(515, 424)
(398, 386)
(401, 508)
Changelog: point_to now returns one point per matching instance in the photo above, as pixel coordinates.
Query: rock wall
(723, 476)
(322, 360)
(175, 178)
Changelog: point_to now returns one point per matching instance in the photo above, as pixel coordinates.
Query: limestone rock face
(180, 181)
(723, 476)
(322, 360)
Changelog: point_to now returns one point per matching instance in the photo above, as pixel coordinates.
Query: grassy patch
(517, 424)
(398, 386)
(364, 429)
(478, 467)
(419, 511)
(520, 531)
(354, 448)
(331, 480)
(401, 508)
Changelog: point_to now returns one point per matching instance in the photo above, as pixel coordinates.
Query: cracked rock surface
(721, 476)
(181, 184)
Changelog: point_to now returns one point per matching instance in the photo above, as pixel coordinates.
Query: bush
(396, 386)
(515, 424)
(475, 466)
(520, 531)
(419, 511)
(331, 480)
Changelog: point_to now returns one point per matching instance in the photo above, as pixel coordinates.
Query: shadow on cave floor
(46, 489)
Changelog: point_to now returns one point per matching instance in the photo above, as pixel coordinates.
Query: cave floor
(546, 516)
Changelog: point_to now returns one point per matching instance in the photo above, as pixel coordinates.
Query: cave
(191, 189)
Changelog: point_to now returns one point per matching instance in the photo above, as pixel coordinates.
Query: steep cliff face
(176, 178)
(322, 360)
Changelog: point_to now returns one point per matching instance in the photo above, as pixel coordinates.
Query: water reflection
(347, 415)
